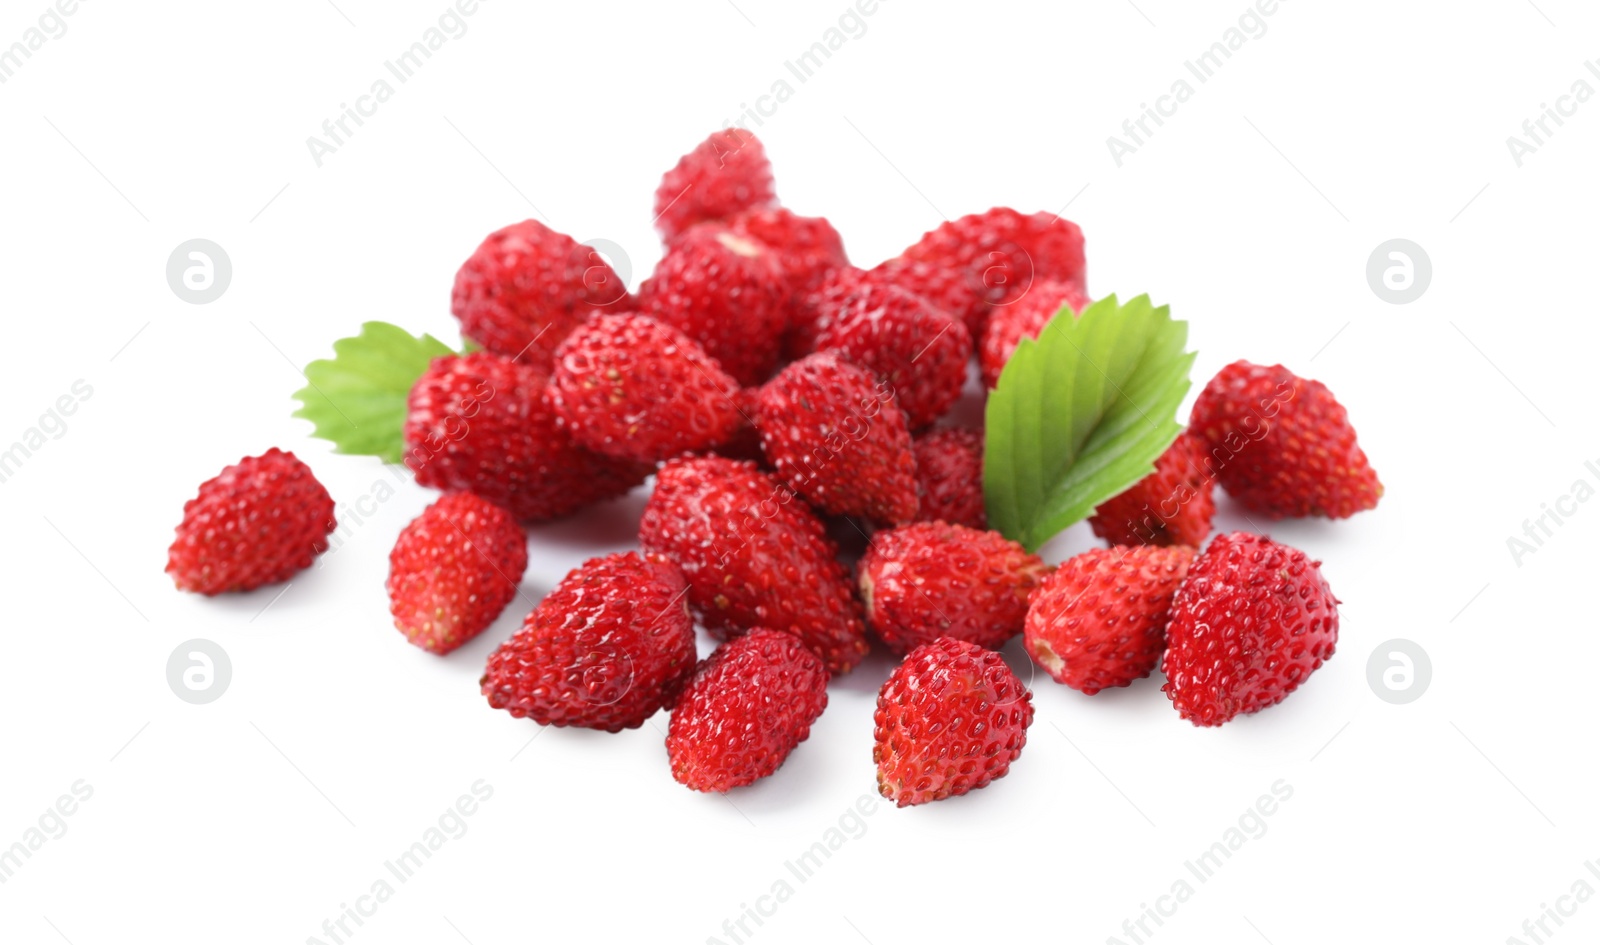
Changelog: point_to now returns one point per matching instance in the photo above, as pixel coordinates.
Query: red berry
(611, 644)
(813, 310)
(950, 719)
(453, 570)
(929, 580)
(921, 352)
(481, 423)
(807, 248)
(725, 175)
(630, 387)
(1171, 506)
(1100, 620)
(526, 287)
(747, 707)
(1282, 445)
(839, 439)
(950, 477)
(946, 289)
(724, 291)
(1251, 622)
(1024, 318)
(754, 555)
(259, 521)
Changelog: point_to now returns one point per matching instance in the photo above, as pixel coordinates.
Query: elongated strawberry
(920, 352)
(1171, 506)
(950, 477)
(725, 175)
(453, 570)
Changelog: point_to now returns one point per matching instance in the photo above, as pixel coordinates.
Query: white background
(1252, 212)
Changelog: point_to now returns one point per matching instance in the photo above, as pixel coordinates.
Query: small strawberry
(838, 438)
(814, 309)
(725, 175)
(749, 704)
(1024, 318)
(1282, 445)
(807, 248)
(481, 423)
(527, 287)
(921, 352)
(259, 521)
(950, 719)
(630, 387)
(755, 556)
(453, 570)
(1171, 506)
(1251, 622)
(946, 289)
(950, 477)
(1100, 620)
(929, 580)
(608, 647)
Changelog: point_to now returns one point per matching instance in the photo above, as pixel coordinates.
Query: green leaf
(1082, 414)
(358, 399)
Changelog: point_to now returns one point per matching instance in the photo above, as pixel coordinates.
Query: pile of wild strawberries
(785, 400)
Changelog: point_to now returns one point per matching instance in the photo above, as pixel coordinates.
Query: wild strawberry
(1251, 622)
(481, 423)
(946, 289)
(839, 439)
(608, 647)
(950, 719)
(630, 387)
(1171, 506)
(929, 580)
(754, 555)
(950, 477)
(1100, 620)
(1282, 445)
(1024, 318)
(725, 175)
(807, 248)
(747, 707)
(724, 291)
(259, 521)
(813, 310)
(922, 353)
(453, 570)
(527, 287)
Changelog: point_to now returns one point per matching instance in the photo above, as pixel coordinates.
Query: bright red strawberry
(259, 521)
(527, 287)
(630, 387)
(950, 477)
(725, 175)
(1100, 620)
(921, 352)
(481, 423)
(755, 556)
(724, 291)
(813, 310)
(807, 248)
(946, 289)
(1282, 445)
(611, 644)
(929, 580)
(950, 719)
(747, 707)
(1171, 506)
(1251, 622)
(1024, 318)
(832, 432)
(453, 570)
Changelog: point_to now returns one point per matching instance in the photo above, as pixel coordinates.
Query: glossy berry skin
(807, 248)
(1251, 622)
(920, 352)
(834, 433)
(1282, 445)
(814, 309)
(747, 707)
(945, 288)
(608, 647)
(453, 570)
(754, 555)
(725, 175)
(929, 580)
(259, 521)
(726, 292)
(1171, 506)
(526, 287)
(1100, 620)
(631, 387)
(1024, 318)
(950, 477)
(950, 719)
(481, 423)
